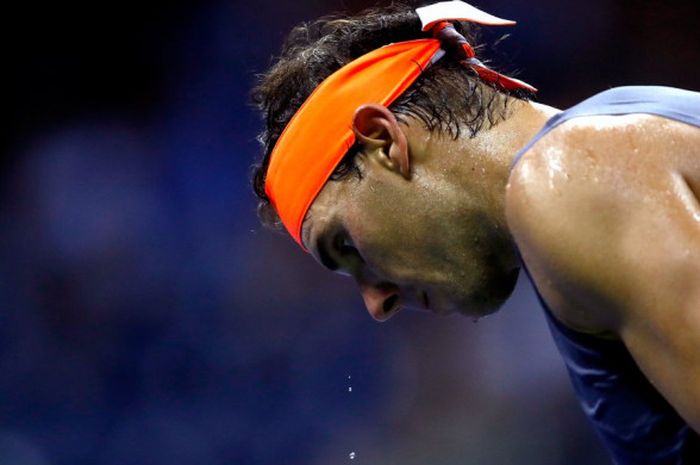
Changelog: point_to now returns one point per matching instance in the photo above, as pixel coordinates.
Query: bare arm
(605, 212)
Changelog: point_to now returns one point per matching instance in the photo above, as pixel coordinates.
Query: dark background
(146, 317)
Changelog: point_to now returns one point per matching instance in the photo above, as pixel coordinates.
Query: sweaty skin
(436, 237)
(604, 211)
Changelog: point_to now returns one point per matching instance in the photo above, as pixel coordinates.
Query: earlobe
(377, 129)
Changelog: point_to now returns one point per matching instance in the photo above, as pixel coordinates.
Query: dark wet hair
(447, 97)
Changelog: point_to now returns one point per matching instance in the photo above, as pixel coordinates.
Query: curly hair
(447, 97)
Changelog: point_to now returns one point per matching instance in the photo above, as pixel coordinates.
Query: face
(429, 242)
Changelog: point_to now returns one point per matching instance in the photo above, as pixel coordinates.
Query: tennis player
(394, 155)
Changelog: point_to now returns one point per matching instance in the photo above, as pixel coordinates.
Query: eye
(344, 244)
(338, 252)
(347, 255)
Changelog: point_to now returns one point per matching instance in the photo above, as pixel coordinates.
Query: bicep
(667, 350)
(661, 325)
(656, 287)
(658, 271)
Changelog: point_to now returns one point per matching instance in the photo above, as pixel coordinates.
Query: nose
(381, 300)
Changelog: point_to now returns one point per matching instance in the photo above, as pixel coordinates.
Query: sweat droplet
(352, 456)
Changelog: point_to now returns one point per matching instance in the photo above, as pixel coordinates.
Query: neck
(475, 170)
(493, 150)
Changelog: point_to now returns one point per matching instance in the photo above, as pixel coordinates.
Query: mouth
(425, 300)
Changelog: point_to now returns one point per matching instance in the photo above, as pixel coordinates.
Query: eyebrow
(324, 256)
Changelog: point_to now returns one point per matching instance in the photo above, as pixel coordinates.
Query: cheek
(396, 240)
(380, 227)
(411, 231)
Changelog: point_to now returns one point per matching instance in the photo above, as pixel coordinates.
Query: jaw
(489, 297)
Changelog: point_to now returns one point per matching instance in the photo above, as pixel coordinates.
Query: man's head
(400, 214)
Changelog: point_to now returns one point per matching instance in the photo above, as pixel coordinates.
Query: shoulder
(592, 193)
(585, 160)
(577, 165)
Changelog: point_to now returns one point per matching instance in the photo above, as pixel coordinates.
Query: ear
(378, 130)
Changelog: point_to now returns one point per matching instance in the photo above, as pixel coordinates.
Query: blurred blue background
(146, 317)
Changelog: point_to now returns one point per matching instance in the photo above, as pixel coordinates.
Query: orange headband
(319, 134)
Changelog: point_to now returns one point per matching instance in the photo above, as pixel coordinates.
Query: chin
(491, 296)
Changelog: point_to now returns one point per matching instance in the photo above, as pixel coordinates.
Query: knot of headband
(319, 134)
(454, 42)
